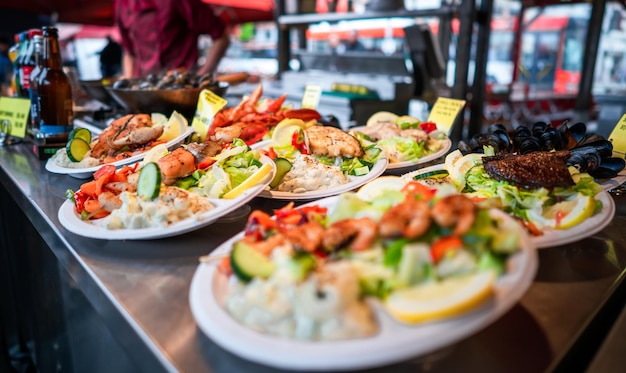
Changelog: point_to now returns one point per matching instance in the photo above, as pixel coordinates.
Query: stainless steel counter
(136, 292)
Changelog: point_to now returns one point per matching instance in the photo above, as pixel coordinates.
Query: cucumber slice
(149, 182)
(282, 167)
(76, 149)
(81, 133)
(361, 171)
(248, 263)
(436, 174)
(301, 264)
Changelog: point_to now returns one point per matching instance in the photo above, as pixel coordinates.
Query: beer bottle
(35, 109)
(27, 62)
(55, 91)
(13, 52)
(17, 64)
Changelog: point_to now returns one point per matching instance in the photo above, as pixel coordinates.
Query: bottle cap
(34, 31)
(50, 31)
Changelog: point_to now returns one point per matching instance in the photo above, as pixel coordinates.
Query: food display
(537, 188)
(124, 141)
(406, 140)
(312, 158)
(253, 118)
(361, 268)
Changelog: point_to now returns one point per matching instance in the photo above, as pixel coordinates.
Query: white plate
(85, 173)
(394, 342)
(404, 166)
(552, 238)
(614, 182)
(355, 182)
(73, 223)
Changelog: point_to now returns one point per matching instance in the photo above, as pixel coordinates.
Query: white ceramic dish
(71, 221)
(394, 342)
(397, 167)
(555, 237)
(355, 182)
(85, 173)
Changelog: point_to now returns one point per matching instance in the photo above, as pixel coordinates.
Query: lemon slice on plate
(283, 132)
(155, 153)
(253, 180)
(451, 159)
(381, 116)
(446, 298)
(175, 126)
(461, 166)
(375, 188)
(565, 214)
(158, 119)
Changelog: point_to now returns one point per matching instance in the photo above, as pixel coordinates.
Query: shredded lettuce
(402, 149)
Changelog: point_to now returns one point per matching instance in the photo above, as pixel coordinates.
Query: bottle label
(51, 129)
(25, 76)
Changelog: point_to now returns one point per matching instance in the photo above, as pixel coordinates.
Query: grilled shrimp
(308, 236)
(110, 201)
(356, 234)
(455, 211)
(410, 219)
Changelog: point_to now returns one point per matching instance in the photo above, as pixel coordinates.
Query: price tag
(444, 113)
(208, 105)
(311, 98)
(15, 111)
(618, 138)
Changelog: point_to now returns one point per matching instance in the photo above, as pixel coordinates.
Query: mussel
(550, 139)
(609, 168)
(572, 135)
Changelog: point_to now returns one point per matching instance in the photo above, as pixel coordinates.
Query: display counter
(78, 304)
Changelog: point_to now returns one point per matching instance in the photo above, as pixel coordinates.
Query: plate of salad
(78, 160)
(338, 289)
(314, 161)
(553, 216)
(406, 141)
(144, 201)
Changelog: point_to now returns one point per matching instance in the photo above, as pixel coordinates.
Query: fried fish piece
(531, 170)
(332, 142)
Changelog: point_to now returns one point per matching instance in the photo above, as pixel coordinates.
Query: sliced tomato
(417, 190)
(428, 127)
(444, 245)
(106, 170)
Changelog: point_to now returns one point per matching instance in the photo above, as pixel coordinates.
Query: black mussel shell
(609, 168)
(572, 135)
(122, 83)
(521, 131)
(505, 142)
(494, 140)
(603, 147)
(153, 79)
(146, 85)
(497, 127)
(589, 139)
(528, 145)
(550, 139)
(538, 128)
(584, 161)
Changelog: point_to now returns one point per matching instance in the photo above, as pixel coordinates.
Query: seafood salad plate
(158, 198)
(125, 141)
(359, 280)
(314, 161)
(406, 141)
(594, 212)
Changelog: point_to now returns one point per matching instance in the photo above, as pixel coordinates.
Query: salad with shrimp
(308, 272)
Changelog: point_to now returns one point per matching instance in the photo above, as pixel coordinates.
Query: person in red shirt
(161, 35)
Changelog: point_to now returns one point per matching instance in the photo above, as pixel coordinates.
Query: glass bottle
(13, 52)
(55, 92)
(27, 62)
(35, 107)
(17, 64)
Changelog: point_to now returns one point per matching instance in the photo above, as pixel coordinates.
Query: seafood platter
(357, 256)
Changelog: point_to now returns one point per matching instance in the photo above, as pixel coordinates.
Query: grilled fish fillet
(532, 170)
(332, 142)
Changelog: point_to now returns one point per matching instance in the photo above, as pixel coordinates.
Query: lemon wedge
(565, 214)
(376, 187)
(155, 153)
(381, 116)
(158, 119)
(251, 181)
(283, 132)
(175, 126)
(461, 166)
(451, 159)
(406, 119)
(436, 300)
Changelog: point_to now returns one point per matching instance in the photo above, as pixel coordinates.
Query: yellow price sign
(618, 138)
(208, 105)
(14, 114)
(311, 98)
(445, 112)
